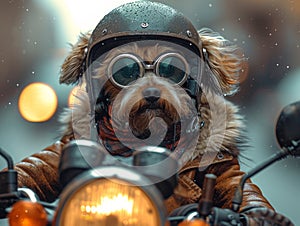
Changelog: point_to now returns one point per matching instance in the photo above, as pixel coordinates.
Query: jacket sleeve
(228, 177)
(255, 209)
(39, 171)
(227, 170)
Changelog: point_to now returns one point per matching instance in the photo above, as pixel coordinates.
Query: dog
(152, 110)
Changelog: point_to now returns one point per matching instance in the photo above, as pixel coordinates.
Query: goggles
(126, 68)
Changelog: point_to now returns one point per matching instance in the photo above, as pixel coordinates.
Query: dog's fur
(222, 123)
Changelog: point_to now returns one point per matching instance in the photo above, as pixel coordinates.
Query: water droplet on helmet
(104, 31)
(189, 33)
(144, 25)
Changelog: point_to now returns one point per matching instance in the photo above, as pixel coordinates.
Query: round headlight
(110, 196)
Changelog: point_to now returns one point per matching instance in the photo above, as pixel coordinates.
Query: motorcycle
(101, 190)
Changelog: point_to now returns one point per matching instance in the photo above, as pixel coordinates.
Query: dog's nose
(151, 94)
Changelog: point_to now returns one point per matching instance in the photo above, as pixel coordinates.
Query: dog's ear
(224, 59)
(72, 68)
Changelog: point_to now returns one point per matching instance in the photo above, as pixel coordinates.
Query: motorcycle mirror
(288, 129)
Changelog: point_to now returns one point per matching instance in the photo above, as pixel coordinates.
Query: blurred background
(35, 37)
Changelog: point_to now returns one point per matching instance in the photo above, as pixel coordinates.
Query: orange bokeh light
(37, 102)
(72, 96)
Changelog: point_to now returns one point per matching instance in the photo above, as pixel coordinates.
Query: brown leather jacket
(40, 173)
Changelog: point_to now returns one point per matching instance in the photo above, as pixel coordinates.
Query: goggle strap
(194, 91)
(102, 106)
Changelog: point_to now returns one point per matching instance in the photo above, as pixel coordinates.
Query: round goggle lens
(172, 68)
(125, 71)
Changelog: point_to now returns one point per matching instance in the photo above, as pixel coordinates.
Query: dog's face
(144, 94)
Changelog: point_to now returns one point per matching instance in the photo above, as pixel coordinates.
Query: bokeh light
(37, 102)
(73, 96)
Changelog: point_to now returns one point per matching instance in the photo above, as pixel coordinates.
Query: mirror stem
(238, 196)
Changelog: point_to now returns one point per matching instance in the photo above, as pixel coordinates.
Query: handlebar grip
(267, 215)
(206, 201)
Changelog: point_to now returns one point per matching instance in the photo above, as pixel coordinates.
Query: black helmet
(142, 20)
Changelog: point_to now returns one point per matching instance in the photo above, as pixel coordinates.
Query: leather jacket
(40, 173)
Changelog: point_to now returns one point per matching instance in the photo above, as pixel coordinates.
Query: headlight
(110, 196)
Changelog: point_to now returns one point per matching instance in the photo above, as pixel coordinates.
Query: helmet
(142, 20)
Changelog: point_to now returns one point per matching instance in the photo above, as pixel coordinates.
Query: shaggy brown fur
(72, 66)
